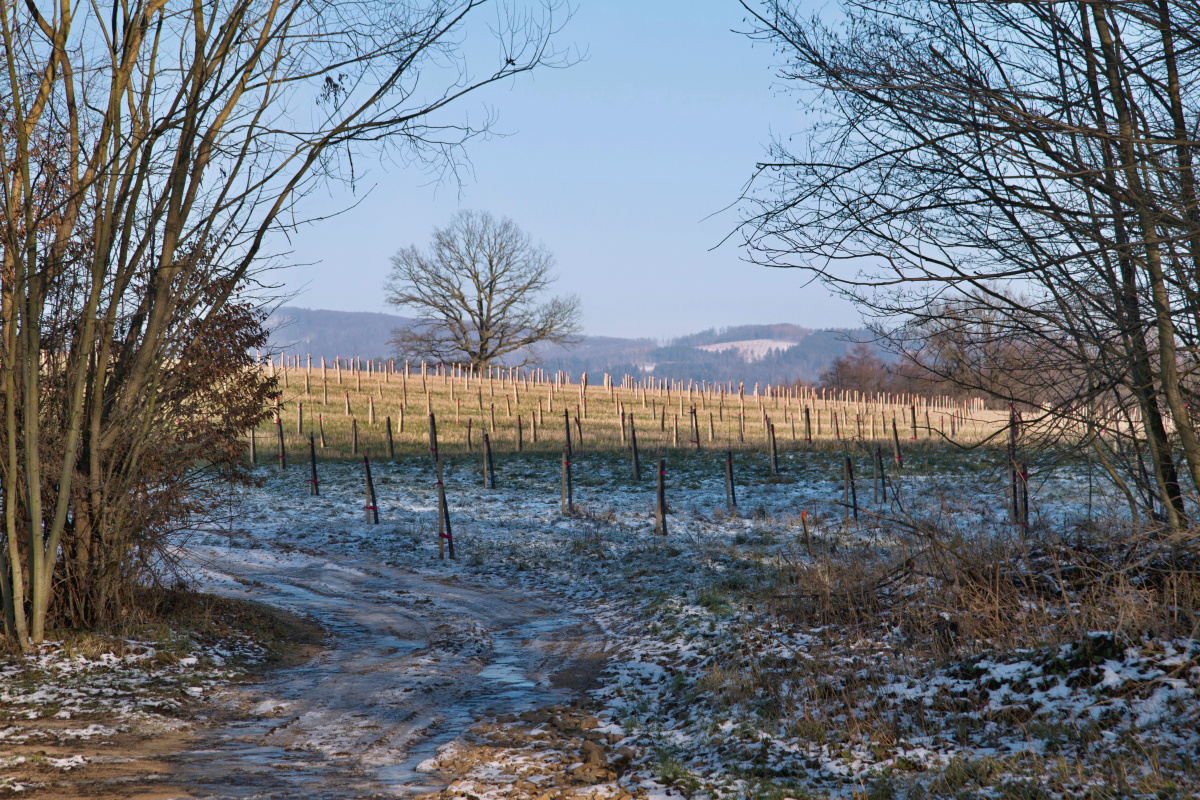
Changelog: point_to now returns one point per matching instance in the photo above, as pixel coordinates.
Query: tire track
(412, 660)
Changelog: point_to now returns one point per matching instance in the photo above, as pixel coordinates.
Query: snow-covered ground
(712, 683)
(585, 655)
(750, 349)
(50, 700)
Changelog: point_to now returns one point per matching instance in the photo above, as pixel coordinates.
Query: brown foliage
(151, 480)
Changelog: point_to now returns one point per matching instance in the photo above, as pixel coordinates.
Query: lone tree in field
(478, 293)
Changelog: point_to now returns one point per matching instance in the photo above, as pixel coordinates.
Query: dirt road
(410, 661)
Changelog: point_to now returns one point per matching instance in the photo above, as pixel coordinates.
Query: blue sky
(621, 165)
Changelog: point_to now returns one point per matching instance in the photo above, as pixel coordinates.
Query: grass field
(533, 413)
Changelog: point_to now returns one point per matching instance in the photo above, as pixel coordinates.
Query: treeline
(137, 203)
(681, 359)
(1010, 191)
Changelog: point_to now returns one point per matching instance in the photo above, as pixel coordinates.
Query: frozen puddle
(411, 661)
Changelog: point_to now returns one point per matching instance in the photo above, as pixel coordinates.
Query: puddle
(411, 662)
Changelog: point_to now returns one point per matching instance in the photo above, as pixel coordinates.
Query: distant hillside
(783, 353)
(333, 333)
(738, 333)
(750, 353)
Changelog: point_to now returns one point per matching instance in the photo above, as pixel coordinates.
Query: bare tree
(150, 156)
(1015, 182)
(478, 293)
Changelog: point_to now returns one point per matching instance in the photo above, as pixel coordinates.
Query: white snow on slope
(749, 349)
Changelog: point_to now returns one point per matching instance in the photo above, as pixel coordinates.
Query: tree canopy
(478, 291)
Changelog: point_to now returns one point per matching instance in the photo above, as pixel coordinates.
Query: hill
(333, 333)
(750, 353)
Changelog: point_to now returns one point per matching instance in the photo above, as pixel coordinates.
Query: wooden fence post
(637, 466)
(321, 428)
(314, 488)
(846, 489)
(445, 536)
(282, 449)
(1015, 508)
(299, 418)
(882, 474)
(568, 506)
(875, 477)
(660, 507)
(853, 489)
(489, 469)
(391, 450)
(730, 490)
(353, 436)
(443, 512)
(567, 431)
(807, 426)
(520, 435)
(433, 440)
(896, 444)
(774, 450)
(372, 506)
(807, 537)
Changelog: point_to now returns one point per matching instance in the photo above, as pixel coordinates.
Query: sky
(623, 165)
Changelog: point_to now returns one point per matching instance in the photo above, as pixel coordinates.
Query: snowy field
(737, 656)
(714, 685)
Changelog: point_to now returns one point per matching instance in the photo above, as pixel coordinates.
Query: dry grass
(455, 403)
(928, 601)
(949, 591)
(173, 619)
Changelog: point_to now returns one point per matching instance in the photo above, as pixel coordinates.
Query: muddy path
(409, 663)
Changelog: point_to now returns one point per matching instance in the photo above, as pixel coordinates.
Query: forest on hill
(755, 353)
